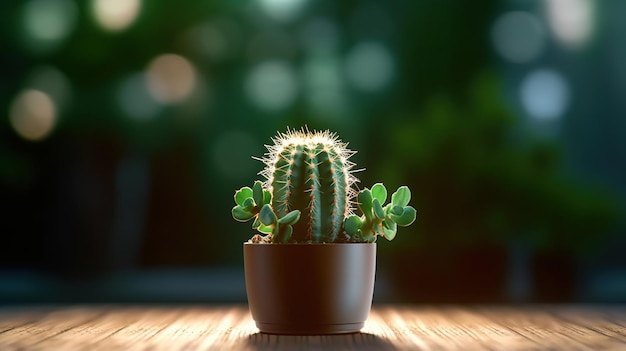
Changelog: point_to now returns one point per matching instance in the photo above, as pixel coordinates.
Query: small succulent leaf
(368, 237)
(379, 192)
(265, 229)
(267, 197)
(257, 192)
(401, 197)
(288, 231)
(397, 210)
(378, 209)
(290, 218)
(408, 216)
(257, 223)
(390, 229)
(364, 199)
(353, 225)
(267, 215)
(378, 228)
(240, 214)
(242, 194)
(248, 204)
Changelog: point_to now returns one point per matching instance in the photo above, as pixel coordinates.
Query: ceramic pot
(309, 289)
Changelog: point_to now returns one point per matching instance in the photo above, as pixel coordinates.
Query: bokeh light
(282, 10)
(171, 78)
(272, 85)
(369, 66)
(518, 36)
(571, 21)
(32, 115)
(48, 22)
(115, 15)
(51, 81)
(544, 94)
(324, 85)
(134, 98)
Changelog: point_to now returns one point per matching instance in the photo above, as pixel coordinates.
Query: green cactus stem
(310, 172)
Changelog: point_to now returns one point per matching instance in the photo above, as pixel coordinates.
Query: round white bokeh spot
(272, 85)
(115, 15)
(544, 94)
(518, 36)
(282, 10)
(571, 21)
(48, 22)
(369, 67)
(32, 115)
(171, 79)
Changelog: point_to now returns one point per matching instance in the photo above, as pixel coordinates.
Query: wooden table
(119, 327)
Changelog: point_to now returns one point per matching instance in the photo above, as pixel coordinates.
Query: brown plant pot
(308, 289)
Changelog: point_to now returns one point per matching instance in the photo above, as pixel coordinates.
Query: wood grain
(118, 327)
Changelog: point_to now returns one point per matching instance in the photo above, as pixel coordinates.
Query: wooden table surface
(118, 327)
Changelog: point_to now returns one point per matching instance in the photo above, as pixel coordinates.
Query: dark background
(126, 131)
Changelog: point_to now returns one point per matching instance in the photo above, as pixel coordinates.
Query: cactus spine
(310, 172)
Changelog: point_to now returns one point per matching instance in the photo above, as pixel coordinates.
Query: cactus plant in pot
(311, 267)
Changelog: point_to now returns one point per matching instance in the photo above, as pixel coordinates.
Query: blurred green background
(127, 125)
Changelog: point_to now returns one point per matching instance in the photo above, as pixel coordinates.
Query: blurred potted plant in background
(485, 191)
(311, 270)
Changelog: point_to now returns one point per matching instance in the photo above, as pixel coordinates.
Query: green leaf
(378, 209)
(364, 199)
(390, 229)
(256, 223)
(401, 197)
(242, 194)
(378, 228)
(409, 214)
(397, 210)
(265, 229)
(240, 214)
(379, 192)
(368, 237)
(267, 197)
(288, 230)
(248, 204)
(257, 192)
(290, 218)
(352, 225)
(267, 215)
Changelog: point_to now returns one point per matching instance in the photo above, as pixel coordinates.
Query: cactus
(308, 195)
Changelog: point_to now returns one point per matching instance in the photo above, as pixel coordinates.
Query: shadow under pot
(310, 289)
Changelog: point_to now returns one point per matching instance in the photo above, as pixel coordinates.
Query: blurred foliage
(479, 181)
(476, 177)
